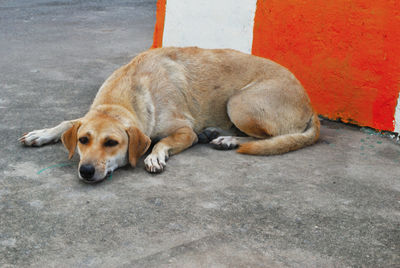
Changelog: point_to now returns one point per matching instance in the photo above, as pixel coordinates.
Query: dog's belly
(214, 116)
(209, 108)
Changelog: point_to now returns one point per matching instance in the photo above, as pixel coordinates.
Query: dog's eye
(111, 143)
(83, 140)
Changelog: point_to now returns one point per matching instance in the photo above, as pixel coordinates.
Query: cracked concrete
(334, 204)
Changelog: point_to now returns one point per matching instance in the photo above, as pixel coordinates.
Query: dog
(176, 95)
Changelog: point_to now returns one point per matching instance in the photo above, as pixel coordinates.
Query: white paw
(225, 142)
(156, 162)
(37, 137)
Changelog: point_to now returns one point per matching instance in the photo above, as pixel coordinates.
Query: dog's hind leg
(47, 135)
(211, 133)
(208, 134)
(229, 142)
(178, 141)
(277, 113)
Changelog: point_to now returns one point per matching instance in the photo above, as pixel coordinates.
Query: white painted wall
(210, 23)
(397, 116)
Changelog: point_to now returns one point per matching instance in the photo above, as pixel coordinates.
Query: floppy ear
(138, 144)
(69, 138)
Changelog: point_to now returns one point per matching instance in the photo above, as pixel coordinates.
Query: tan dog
(174, 94)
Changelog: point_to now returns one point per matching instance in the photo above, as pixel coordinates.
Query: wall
(346, 53)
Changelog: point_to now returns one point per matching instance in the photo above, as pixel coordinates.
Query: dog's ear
(138, 144)
(69, 138)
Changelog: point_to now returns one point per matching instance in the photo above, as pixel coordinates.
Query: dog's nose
(87, 171)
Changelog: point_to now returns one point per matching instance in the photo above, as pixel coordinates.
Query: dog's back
(200, 81)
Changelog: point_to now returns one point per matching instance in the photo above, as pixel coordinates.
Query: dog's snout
(87, 171)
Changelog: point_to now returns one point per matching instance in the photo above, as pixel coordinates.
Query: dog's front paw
(37, 137)
(156, 163)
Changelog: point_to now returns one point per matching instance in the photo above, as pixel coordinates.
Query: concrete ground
(334, 204)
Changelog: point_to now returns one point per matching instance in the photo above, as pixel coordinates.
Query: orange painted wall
(159, 27)
(346, 53)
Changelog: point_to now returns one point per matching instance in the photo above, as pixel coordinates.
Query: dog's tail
(283, 143)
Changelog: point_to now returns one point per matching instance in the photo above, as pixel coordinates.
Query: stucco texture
(345, 52)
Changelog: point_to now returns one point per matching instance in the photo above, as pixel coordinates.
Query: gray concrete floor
(336, 203)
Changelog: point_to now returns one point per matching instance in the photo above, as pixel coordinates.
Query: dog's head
(104, 145)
